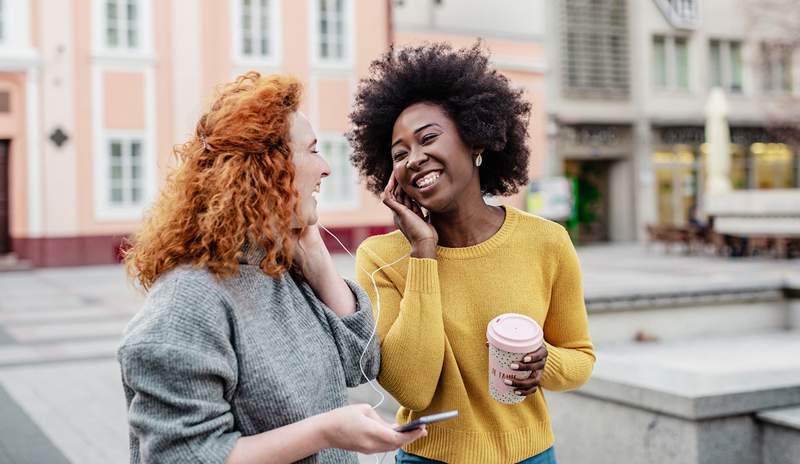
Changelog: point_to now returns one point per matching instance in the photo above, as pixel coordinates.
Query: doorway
(590, 184)
(5, 220)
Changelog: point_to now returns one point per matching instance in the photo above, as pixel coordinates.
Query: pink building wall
(68, 79)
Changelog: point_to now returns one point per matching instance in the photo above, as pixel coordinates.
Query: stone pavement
(60, 396)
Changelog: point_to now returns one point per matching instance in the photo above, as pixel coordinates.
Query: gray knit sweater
(207, 361)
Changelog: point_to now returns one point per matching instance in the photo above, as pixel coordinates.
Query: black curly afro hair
(488, 111)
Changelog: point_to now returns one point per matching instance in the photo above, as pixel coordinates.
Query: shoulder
(543, 230)
(186, 304)
(384, 248)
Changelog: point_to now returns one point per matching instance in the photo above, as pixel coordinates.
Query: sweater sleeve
(178, 372)
(355, 339)
(177, 409)
(570, 354)
(410, 327)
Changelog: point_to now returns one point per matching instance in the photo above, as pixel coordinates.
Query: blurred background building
(94, 94)
(627, 95)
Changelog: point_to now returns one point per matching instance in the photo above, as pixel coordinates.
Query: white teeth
(428, 180)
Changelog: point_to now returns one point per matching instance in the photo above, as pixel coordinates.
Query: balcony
(681, 14)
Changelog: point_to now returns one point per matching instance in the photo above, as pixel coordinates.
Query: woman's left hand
(533, 363)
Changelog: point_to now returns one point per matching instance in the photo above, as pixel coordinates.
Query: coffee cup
(511, 336)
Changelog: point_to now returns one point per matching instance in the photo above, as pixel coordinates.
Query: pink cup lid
(514, 333)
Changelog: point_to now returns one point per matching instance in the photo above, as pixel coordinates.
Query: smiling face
(310, 167)
(431, 162)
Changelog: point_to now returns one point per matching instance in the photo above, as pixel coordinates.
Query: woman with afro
(248, 338)
(435, 130)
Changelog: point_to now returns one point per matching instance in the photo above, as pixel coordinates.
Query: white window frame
(348, 41)
(126, 140)
(16, 50)
(144, 48)
(772, 55)
(271, 61)
(104, 210)
(726, 61)
(671, 57)
(3, 31)
(328, 203)
(127, 210)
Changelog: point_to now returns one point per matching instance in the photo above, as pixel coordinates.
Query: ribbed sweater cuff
(553, 367)
(565, 369)
(423, 275)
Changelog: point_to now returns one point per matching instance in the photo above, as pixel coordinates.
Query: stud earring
(478, 160)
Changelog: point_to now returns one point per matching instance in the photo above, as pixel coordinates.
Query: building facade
(627, 93)
(95, 93)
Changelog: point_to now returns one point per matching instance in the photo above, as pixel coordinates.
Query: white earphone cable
(377, 311)
(371, 276)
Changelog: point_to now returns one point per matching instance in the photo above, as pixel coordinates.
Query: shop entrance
(590, 186)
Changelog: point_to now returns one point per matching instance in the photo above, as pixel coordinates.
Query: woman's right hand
(409, 219)
(359, 428)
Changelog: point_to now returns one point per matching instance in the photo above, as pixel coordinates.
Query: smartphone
(425, 420)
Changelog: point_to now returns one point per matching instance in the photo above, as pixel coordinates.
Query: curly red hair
(233, 185)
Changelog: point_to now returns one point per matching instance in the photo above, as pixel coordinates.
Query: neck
(468, 224)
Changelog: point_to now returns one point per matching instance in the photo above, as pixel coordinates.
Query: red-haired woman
(248, 337)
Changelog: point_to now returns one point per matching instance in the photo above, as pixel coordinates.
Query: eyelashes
(427, 139)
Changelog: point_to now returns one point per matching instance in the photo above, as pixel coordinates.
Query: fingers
(531, 369)
(411, 435)
(530, 366)
(526, 386)
(532, 361)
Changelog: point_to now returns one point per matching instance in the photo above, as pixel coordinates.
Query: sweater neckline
(252, 254)
(488, 245)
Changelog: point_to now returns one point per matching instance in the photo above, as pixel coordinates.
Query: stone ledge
(785, 417)
(685, 298)
(701, 379)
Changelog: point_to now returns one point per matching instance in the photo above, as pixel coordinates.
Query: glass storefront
(680, 174)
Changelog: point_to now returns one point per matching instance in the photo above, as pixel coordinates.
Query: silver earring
(478, 160)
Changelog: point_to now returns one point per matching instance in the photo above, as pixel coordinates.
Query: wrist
(324, 430)
(424, 249)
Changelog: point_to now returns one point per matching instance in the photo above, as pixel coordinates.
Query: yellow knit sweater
(432, 327)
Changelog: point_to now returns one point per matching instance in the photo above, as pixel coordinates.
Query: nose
(416, 158)
(326, 168)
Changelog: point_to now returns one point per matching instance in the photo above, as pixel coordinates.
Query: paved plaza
(60, 395)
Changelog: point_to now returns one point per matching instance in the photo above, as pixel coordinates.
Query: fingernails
(527, 359)
(508, 382)
(515, 366)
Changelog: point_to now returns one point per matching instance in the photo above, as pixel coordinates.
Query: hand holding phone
(425, 420)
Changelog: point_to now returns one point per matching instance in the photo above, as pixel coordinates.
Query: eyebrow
(417, 131)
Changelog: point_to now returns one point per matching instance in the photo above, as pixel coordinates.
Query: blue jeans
(545, 457)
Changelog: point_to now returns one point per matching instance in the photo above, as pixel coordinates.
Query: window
(670, 63)
(122, 24)
(257, 33)
(660, 61)
(332, 29)
(777, 68)
(125, 174)
(2, 25)
(340, 190)
(726, 65)
(595, 40)
(681, 63)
